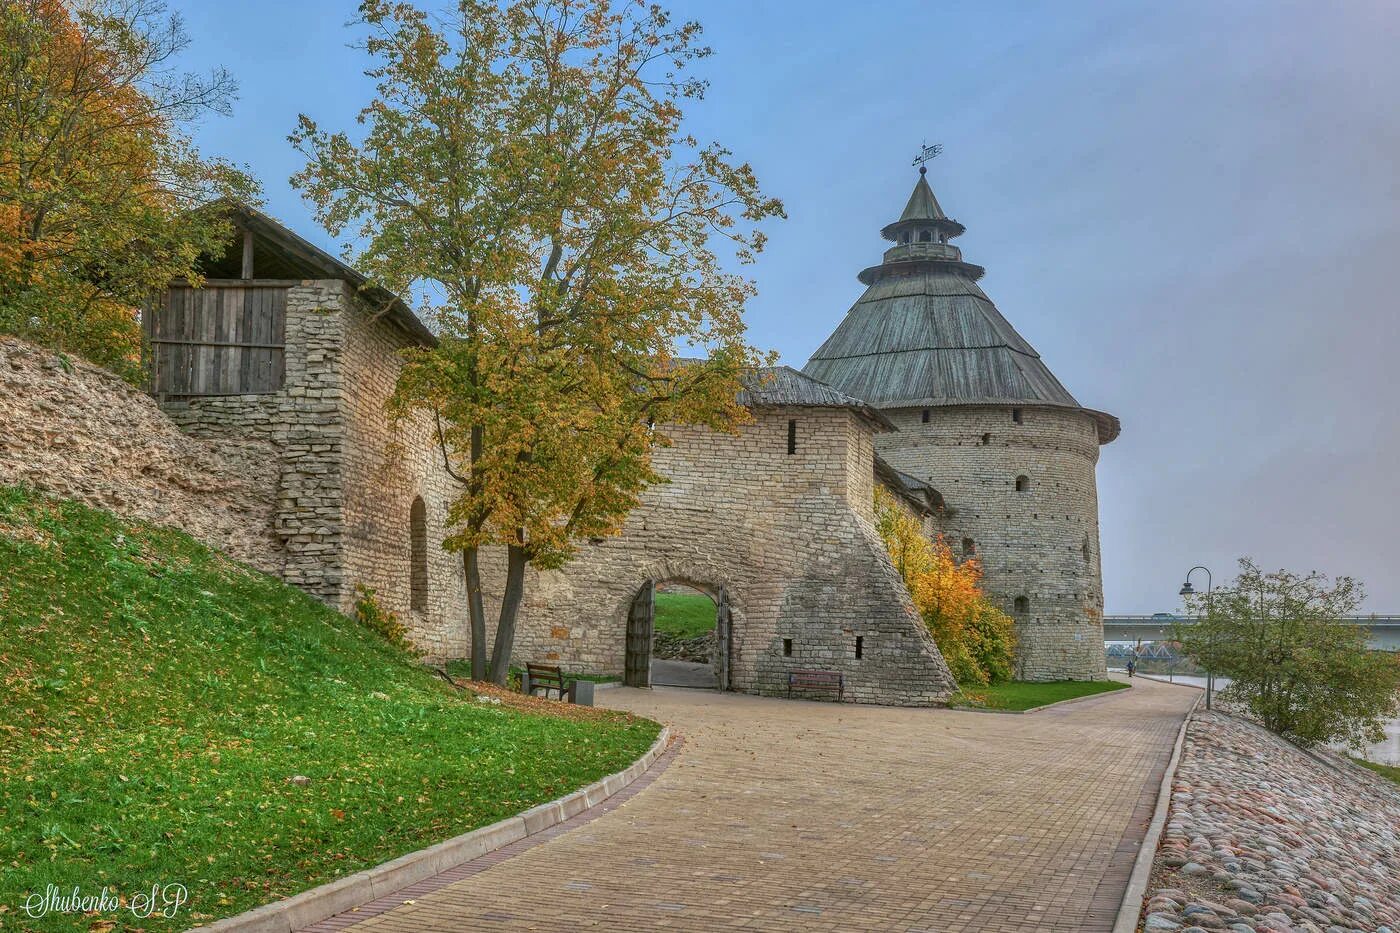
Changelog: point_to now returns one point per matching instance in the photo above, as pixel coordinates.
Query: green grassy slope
(157, 699)
(1390, 772)
(1023, 695)
(684, 614)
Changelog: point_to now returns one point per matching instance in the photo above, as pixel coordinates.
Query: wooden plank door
(724, 633)
(641, 620)
(217, 340)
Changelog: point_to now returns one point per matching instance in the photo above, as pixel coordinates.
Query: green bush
(373, 616)
(1294, 664)
(991, 642)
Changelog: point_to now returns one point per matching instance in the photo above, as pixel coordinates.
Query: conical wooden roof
(922, 204)
(924, 334)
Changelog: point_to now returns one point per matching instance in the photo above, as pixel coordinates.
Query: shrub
(373, 616)
(991, 637)
(977, 640)
(1294, 664)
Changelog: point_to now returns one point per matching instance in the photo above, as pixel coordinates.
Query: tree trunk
(475, 612)
(510, 608)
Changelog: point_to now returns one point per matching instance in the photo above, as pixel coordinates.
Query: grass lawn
(156, 699)
(1386, 771)
(686, 615)
(1021, 695)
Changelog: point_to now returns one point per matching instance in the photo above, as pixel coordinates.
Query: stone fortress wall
(387, 465)
(790, 538)
(1039, 546)
(344, 477)
(314, 481)
(303, 425)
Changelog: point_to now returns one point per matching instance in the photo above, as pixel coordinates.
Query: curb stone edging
(1130, 911)
(334, 897)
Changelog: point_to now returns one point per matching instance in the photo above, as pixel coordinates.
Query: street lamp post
(1187, 590)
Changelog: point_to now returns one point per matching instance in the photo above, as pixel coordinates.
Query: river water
(1387, 752)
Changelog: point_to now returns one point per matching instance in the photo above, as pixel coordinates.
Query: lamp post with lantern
(1188, 590)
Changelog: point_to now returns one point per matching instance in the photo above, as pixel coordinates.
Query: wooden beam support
(247, 254)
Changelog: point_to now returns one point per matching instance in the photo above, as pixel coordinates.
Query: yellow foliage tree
(524, 168)
(977, 640)
(98, 176)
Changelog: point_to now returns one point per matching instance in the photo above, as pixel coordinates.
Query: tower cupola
(921, 235)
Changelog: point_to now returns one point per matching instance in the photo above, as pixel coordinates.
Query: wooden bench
(549, 677)
(817, 680)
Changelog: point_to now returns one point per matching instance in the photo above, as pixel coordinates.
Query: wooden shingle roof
(924, 334)
(279, 253)
(785, 387)
(923, 497)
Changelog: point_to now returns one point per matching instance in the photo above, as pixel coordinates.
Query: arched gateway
(776, 521)
(644, 666)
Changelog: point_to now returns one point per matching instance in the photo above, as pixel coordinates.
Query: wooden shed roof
(924, 334)
(785, 387)
(278, 253)
(924, 498)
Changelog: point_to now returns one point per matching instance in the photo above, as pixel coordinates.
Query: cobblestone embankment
(1264, 836)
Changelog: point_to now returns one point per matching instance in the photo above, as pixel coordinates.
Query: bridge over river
(1384, 630)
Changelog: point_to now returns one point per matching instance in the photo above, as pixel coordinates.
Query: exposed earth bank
(1264, 836)
(77, 431)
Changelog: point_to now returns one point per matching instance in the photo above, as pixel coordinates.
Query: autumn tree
(1294, 661)
(976, 639)
(98, 178)
(523, 171)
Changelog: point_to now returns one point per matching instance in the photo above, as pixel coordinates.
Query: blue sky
(1192, 210)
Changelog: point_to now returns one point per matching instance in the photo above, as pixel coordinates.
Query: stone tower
(983, 420)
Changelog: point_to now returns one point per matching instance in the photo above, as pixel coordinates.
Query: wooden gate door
(724, 635)
(640, 622)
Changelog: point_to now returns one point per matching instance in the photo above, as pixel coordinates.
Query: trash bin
(583, 692)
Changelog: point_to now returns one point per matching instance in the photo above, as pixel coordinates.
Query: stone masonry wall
(315, 483)
(387, 465)
(790, 538)
(345, 476)
(1041, 544)
(77, 431)
(304, 424)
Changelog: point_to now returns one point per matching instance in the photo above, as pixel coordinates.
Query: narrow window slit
(418, 555)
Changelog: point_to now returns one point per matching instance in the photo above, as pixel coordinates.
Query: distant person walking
(1132, 667)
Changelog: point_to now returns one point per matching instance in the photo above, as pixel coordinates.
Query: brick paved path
(796, 815)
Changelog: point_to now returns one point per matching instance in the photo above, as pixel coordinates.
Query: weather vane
(926, 154)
